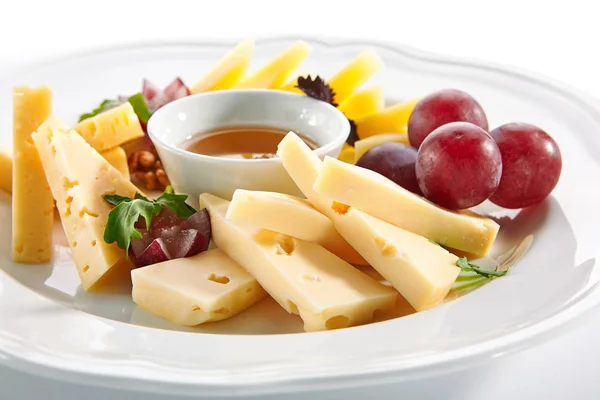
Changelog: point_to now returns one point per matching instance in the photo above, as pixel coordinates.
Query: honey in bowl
(241, 142)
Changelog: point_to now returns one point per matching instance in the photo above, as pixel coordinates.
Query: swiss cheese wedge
(6, 168)
(303, 165)
(118, 159)
(111, 128)
(190, 291)
(32, 203)
(228, 71)
(79, 177)
(354, 74)
(291, 216)
(277, 72)
(303, 277)
(378, 196)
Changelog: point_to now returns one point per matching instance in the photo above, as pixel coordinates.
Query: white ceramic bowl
(193, 173)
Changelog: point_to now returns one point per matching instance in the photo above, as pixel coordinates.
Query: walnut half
(146, 170)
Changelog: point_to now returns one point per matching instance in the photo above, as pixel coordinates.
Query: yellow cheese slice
(6, 168)
(393, 119)
(191, 291)
(228, 71)
(378, 196)
(111, 128)
(354, 74)
(32, 203)
(79, 177)
(364, 145)
(291, 216)
(303, 165)
(347, 154)
(421, 271)
(303, 277)
(362, 103)
(118, 159)
(277, 72)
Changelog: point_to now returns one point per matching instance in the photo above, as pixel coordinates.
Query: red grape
(395, 161)
(440, 108)
(458, 166)
(531, 165)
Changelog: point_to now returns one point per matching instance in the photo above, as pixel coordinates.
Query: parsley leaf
(106, 104)
(466, 266)
(120, 226)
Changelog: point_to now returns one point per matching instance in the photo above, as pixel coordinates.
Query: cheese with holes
(79, 177)
(291, 216)
(190, 291)
(118, 159)
(228, 71)
(303, 277)
(393, 119)
(380, 197)
(354, 74)
(364, 145)
(32, 203)
(6, 168)
(277, 72)
(421, 271)
(111, 128)
(363, 103)
(303, 165)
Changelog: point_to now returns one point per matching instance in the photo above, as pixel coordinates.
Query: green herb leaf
(434, 242)
(106, 104)
(139, 106)
(466, 266)
(120, 226)
(176, 202)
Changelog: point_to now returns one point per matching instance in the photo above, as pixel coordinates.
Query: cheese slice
(303, 165)
(191, 291)
(363, 103)
(228, 71)
(364, 145)
(118, 159)
(393, 119)
(380, 197)
(354, 74)
(6, 168)
(32, 203)
(303, 277)
(421, 271)
(277, 72)
(291, 216)
(111, 128)
(79, 177)
(347, 154)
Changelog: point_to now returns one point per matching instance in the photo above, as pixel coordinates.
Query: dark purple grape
(531, 165)
(440, 108)
(458, 166)
(395, 161)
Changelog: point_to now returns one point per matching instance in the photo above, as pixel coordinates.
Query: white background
(558, 39)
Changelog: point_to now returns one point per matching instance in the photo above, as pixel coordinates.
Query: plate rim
(530, 336)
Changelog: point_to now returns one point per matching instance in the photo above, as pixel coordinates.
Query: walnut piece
(147, 170)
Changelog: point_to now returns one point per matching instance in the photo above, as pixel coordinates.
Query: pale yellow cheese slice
(303, 277)
(118, 159)
(277, 72)
(393, 119)
(32, 203)
(362, 103)
(364, 145)
(79, 177)
(354, 74)
(111, 128)
(421, 271)
(190, 291)
(228, 71)
(291, 216)
(6, 168)
(378, 196)
(303, 165)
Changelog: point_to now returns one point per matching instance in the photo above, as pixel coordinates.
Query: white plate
(50, 327)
